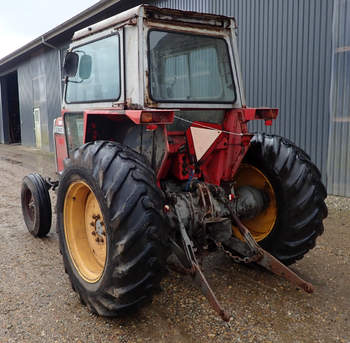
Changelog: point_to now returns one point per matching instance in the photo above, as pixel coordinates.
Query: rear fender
(143, 131)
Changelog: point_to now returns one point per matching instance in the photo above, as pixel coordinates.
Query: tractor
(156, 167)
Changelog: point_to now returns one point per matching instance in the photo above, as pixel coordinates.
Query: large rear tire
(110, 227)
(293, 219)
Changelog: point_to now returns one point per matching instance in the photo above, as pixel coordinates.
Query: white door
(37, 127)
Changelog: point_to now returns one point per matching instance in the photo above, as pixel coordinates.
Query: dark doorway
(12, 108)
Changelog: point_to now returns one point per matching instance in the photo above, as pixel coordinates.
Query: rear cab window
(189, 68)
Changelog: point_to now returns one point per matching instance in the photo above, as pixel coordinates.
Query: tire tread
(300, 195)
(127, 184)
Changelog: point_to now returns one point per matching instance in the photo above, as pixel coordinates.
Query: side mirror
(70, 65)
(85, 67)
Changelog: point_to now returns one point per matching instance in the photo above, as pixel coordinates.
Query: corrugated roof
(64, 31)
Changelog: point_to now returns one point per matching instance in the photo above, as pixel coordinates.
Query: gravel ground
(338, 203)
(37, 303)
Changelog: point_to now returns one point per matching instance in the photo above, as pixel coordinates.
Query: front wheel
(36, 205)
(110, 227)
(291, 222)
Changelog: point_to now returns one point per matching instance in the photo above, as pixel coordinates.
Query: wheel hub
(29, 204)
(99, 228)
(261, 225)
(85, 231)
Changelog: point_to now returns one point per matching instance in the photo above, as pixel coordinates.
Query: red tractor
(156, 164)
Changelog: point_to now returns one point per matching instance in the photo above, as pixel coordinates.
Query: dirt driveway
(37, 303)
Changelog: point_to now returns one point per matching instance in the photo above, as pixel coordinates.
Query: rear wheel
(36, 205)
(110, 227)
(292, 221)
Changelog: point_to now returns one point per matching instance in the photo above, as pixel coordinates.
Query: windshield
(189, 68)
(100, 79)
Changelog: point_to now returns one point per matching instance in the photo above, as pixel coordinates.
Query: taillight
(151, 116)
(161, 117)
(146, 117)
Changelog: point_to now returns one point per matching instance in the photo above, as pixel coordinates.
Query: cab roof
(157, 14)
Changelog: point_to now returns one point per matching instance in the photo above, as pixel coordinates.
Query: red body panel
(60, 144)
(220, 161)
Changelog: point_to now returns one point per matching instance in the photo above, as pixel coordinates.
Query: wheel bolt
(97, 240)
(93, 233)
(92, 224)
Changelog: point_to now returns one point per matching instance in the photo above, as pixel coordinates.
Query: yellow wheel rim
(85, 231)
(261, 225)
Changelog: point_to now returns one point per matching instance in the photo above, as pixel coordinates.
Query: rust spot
(212, 30)
(152, 11)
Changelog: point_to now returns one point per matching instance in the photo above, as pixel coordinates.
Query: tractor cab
(161, 68)
(150, 57)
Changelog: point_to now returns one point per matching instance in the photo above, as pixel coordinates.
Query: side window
(99, 78)
(74, 128)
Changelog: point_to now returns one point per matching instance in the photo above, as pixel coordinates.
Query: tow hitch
(267, 261)
(248, 251)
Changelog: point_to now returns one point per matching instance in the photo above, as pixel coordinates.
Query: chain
(212, 128)
(239, 259)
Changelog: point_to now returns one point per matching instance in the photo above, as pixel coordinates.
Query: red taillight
(147, 117)
(266, 113)
(161, 117)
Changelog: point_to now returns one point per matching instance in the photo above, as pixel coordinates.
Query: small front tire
(36, 205)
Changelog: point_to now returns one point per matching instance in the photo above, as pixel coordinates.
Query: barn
(295, 55)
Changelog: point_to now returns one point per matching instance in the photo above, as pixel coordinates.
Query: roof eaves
(70, 23)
